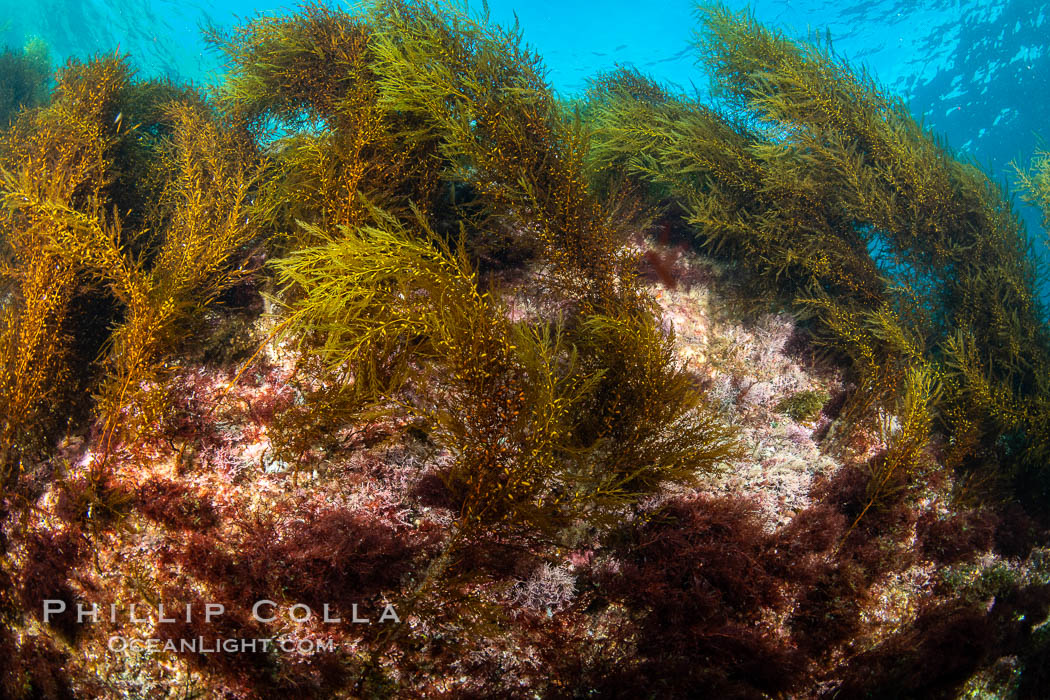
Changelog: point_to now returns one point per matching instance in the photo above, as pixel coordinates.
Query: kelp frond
(403, 313)
(61, 166)
(544, 425)
(482, 93)
(1035, 184)
(833, 201)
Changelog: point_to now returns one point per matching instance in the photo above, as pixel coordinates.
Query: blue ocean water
(976, 71)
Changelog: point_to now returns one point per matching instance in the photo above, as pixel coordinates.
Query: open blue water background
(976, 71)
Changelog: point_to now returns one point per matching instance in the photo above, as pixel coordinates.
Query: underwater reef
(379, 370)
